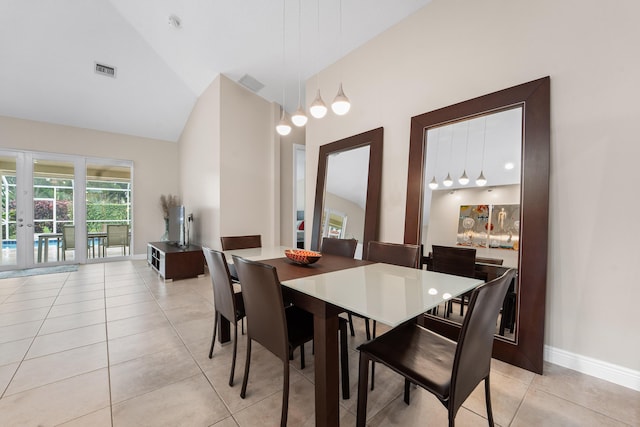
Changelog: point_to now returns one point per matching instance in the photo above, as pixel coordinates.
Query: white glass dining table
(382, 292)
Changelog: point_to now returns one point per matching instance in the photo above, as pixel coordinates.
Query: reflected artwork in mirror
(498, 146)
(348, 190)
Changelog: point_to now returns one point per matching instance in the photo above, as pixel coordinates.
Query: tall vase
(165, 236)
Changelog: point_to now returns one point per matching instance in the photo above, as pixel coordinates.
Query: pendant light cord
(299, 50)
(283, 61)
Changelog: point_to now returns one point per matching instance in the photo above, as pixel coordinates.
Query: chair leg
(367, 330)
(245, 379)
(487, 396)
(373, 363)
(344, 360)
(363, 382)
(373, 375)
(407, 391)
(213, 341)
(353, 333)
(285, 395)
(235, 352)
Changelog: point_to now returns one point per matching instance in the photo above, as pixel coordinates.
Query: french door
(38, 204)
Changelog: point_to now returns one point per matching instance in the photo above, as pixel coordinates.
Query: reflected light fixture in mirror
(464, 179)
(481, 181)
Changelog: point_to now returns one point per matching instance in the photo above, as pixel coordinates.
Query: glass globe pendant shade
(448, 182)
(299, 118)
(433, 184)
(341, 104)
(464, 179)
(318, 109)
(481, 181)
(283, 127)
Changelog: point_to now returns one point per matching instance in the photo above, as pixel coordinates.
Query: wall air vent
(250, 83)
(105, 70)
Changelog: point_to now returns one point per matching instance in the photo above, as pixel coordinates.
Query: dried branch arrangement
(167, 202)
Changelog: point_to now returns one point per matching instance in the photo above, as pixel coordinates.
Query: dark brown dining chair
(448, 370)
(345, 248)
(404, 255)
(340, 247)
(268, 323)
(457, 261)
(241, 242)
(227, 302)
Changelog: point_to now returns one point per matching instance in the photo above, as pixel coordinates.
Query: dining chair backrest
(223, 294)
(68, 237)
(340, 247)
(241, 242)
(454, 260)
(472, 361)
(263, 305)
(394, 253)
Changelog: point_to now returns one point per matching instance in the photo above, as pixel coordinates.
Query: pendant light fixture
(434, 184)
(448, 182)
(299, 118)
(341, 104)
(283, 127)
(464, 179)
(481, 181)
(318, 108)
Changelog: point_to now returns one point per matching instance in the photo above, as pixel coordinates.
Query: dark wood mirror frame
(534, 97)
(373, 139)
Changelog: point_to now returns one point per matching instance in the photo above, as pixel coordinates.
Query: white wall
(200, 166)
(453, 50)
(155, 164)
(229, 158)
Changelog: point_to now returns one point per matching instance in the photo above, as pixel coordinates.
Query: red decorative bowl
(302, 256)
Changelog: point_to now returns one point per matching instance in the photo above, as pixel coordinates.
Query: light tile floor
(114, 345)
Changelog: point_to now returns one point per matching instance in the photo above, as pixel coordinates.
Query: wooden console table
(175, 262)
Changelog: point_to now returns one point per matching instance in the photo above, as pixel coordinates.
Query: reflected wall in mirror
(348, 190)
(532, 100)
(464, 213)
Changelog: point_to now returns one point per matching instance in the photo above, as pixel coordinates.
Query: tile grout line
(106, 334)
(2, 395)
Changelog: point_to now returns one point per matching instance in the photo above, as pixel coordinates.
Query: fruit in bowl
(302, 256)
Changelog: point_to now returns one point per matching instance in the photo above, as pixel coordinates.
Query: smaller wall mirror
(348, 190)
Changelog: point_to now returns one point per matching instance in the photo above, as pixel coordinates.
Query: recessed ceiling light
(175, 22)
(509, 165)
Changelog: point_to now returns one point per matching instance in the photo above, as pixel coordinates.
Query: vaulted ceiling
(49, 49)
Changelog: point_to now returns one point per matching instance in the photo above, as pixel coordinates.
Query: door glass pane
(8, 183)
(52, 210)
(108, 210)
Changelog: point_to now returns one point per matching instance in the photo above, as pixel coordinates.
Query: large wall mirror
(500, 144)
(348, 190)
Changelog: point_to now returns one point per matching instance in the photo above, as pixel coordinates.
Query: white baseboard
(596, 368)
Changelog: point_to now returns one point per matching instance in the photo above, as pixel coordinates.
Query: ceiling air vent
(105, 70)
(250, 83)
